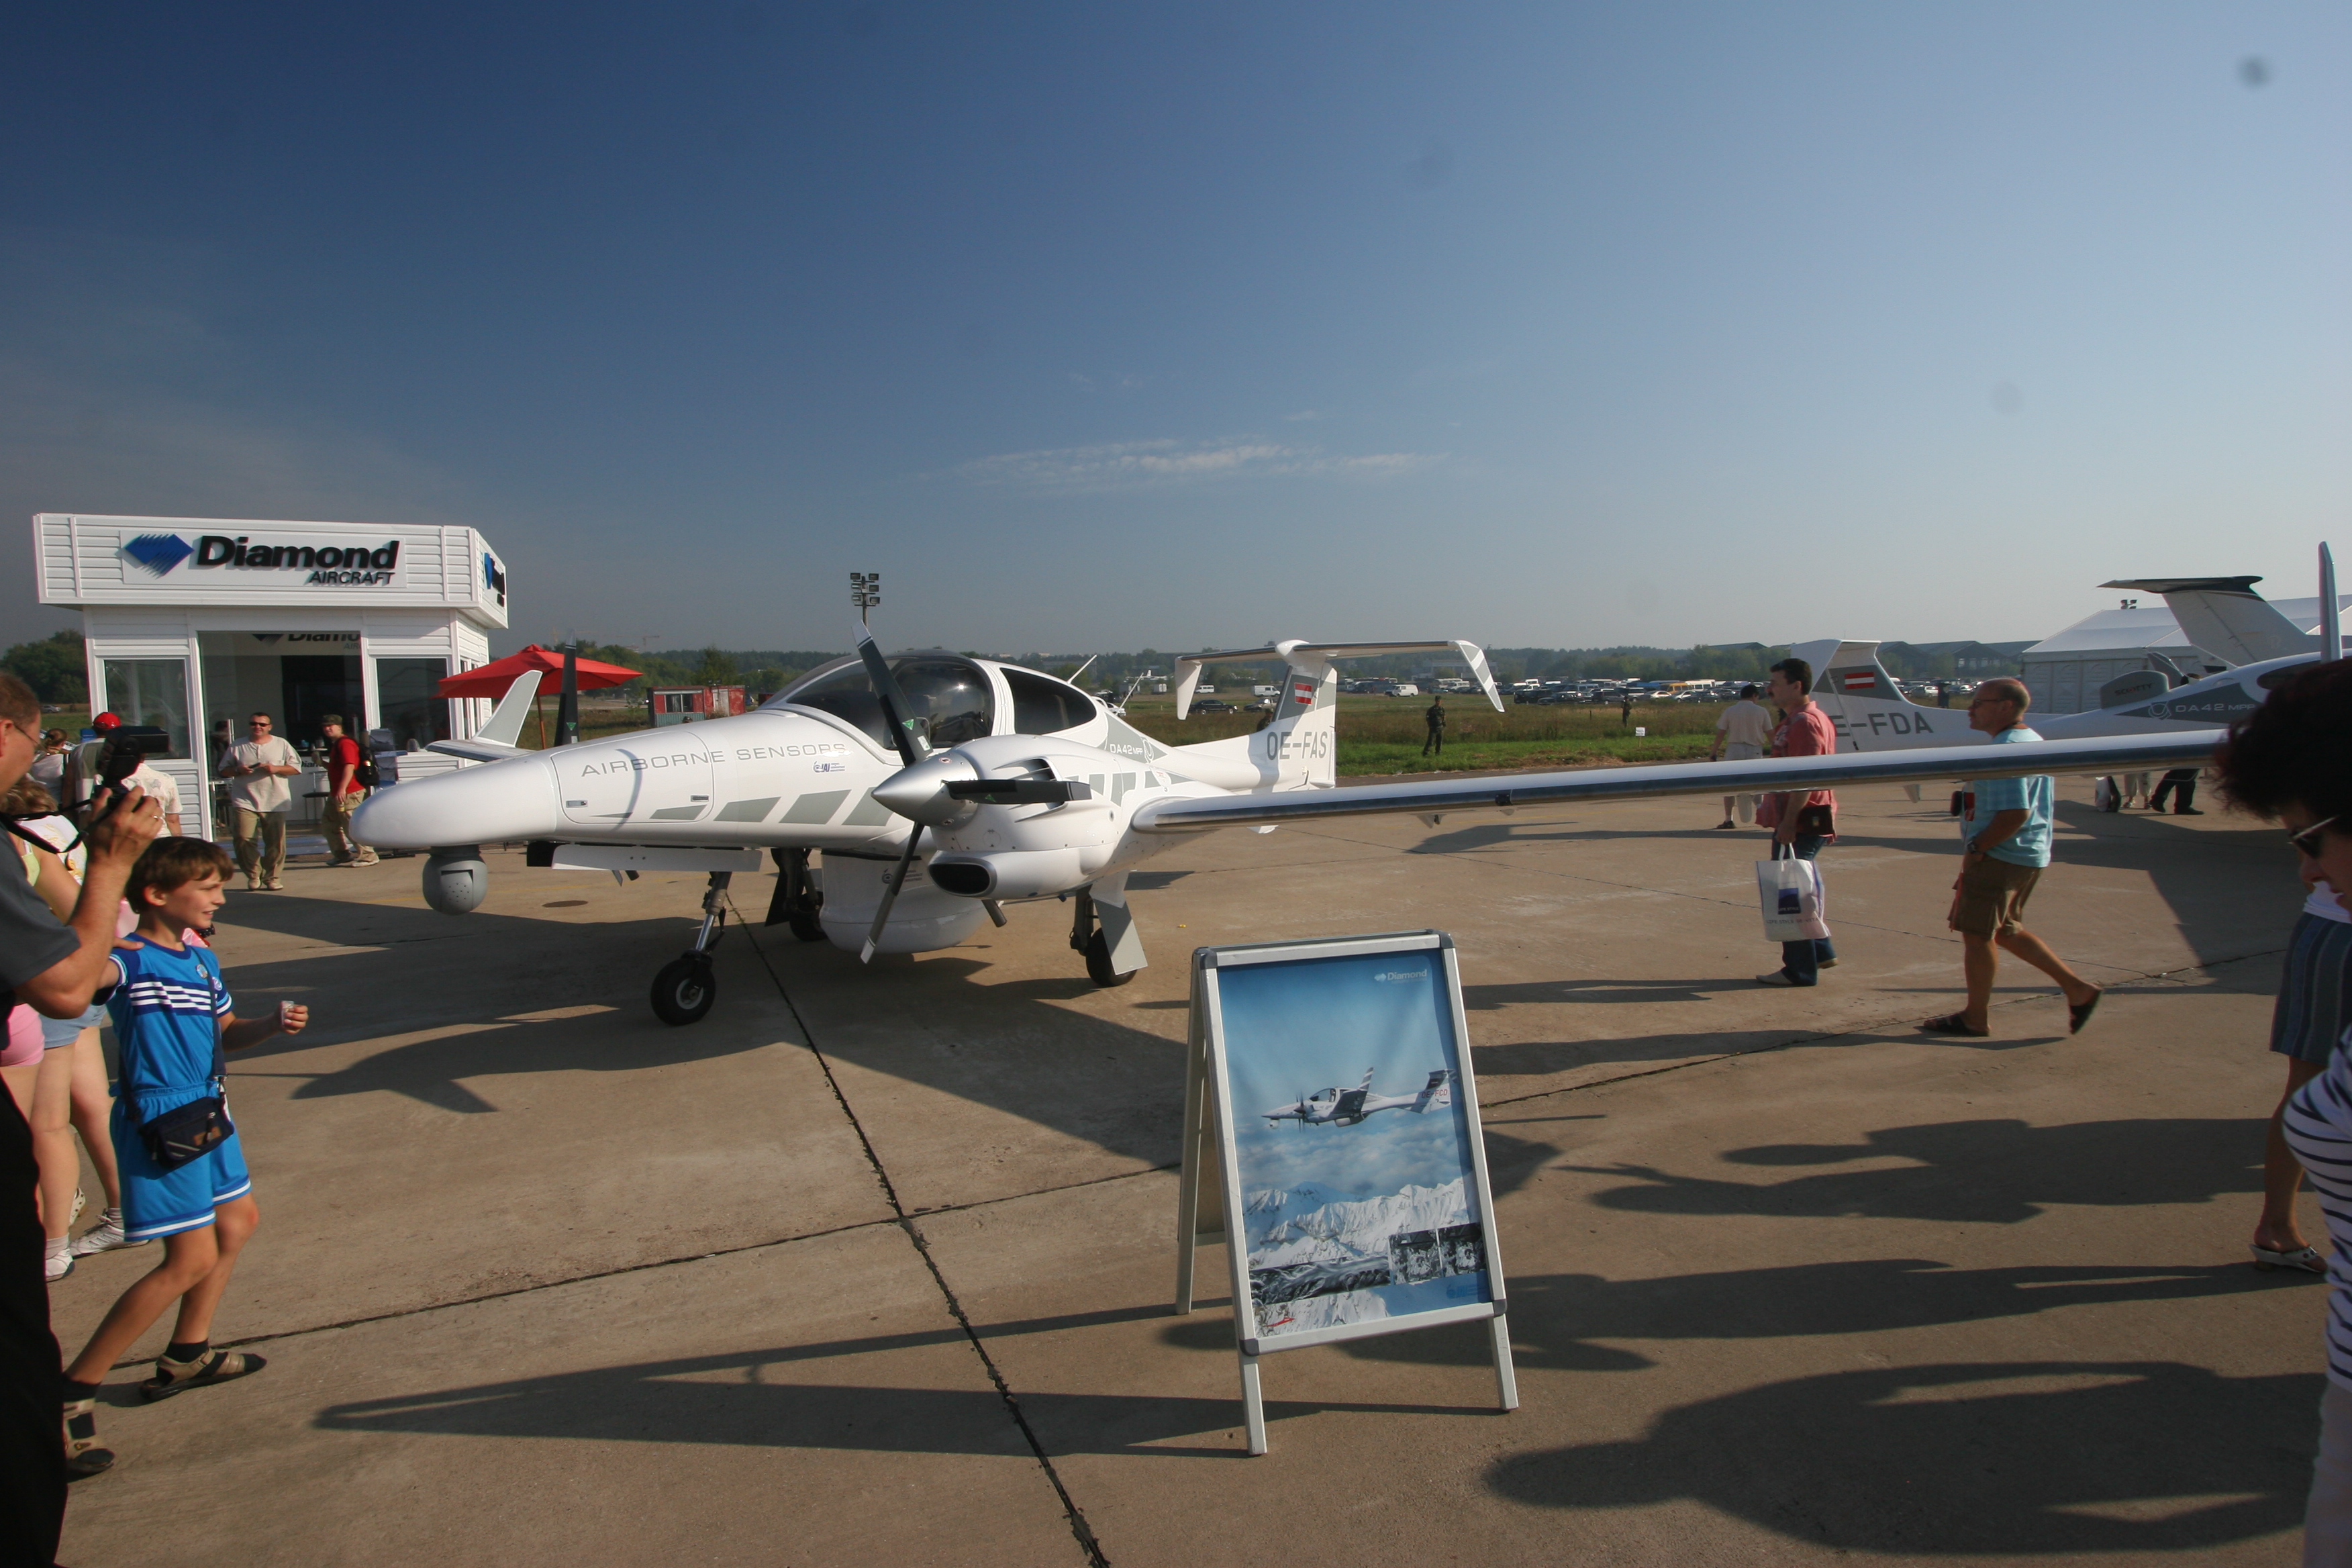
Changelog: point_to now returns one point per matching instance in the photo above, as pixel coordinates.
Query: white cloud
(1126, 463)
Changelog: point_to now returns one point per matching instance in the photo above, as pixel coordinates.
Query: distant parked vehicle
(1215, 705)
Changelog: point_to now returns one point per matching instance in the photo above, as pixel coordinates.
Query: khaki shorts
(1993, 895)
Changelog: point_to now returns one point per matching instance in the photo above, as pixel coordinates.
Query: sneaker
(364, 860)
(1727, 822)
(106, 1235)
(253, 884)
(57, 1261)
(1829, 963)
(275, 886)
(1778, 977)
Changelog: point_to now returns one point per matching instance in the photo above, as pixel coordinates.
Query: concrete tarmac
(874, 1265)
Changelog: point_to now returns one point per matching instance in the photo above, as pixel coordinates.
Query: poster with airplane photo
(1355, 1174)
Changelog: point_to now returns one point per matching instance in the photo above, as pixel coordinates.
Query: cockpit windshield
(950, 695)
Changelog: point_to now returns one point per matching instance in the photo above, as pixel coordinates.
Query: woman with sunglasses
(2291, 761)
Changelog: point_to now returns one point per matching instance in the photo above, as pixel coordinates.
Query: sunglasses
(2306, 841)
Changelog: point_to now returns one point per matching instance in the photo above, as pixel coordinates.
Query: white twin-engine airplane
(2221, 615)
(1346, 1107)
(1040, 793)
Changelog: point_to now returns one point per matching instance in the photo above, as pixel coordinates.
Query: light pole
(864, 592)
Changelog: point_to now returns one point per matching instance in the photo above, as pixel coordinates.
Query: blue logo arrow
(158, 552)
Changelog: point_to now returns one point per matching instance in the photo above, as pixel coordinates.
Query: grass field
(1384, 734)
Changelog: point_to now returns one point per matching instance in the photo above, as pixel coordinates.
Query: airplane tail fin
(2226, 617)
(1869, 710)
(1299, 748)
(1438, 1090)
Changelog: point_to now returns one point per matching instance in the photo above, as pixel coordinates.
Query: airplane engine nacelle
(923, 917)
(456, 879)
(1009, 873)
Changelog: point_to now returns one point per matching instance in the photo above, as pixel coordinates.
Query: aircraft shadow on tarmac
(1990, 1172)
(1557, 1319)
(2024, 1456)
(461, 983)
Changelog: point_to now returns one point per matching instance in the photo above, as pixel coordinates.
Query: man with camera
(256, 770)
(53, 969)
(88, 764)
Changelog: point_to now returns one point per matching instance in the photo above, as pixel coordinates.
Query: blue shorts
(163, 1203)
(58, 1033)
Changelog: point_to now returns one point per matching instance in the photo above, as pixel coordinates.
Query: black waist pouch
(184, 1131)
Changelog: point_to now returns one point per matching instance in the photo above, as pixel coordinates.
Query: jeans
(1802, 961)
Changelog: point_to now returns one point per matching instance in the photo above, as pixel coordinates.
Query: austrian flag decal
(1860, 679)
(1303, 693)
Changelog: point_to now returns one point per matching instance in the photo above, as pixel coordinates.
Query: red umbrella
(492, 680)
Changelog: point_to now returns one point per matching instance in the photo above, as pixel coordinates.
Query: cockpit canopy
(950, 696)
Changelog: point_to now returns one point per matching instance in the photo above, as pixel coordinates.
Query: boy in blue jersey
(172, 1019)
(2005, 828)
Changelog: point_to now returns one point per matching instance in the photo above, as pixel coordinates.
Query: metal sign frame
(1210, 1190)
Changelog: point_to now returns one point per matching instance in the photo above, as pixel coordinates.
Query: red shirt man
(344, 793)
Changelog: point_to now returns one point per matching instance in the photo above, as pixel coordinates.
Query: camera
(121, 751)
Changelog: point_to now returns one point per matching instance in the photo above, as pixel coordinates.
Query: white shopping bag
(1793, 900)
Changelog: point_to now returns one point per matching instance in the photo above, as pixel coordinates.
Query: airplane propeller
(912, 749)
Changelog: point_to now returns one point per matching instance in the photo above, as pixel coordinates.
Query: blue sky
(1095, 326)
(1294, 1029)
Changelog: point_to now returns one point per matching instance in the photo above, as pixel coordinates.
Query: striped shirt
(2318, 1126)
(166, 1013)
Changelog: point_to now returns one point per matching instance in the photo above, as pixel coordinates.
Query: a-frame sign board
(1356, 1208)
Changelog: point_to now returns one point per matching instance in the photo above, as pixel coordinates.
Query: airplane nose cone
(920, 793)
(482, 805)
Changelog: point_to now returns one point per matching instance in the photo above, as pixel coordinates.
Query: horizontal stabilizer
(476, 749)
(1310, 654)
(2226, 617)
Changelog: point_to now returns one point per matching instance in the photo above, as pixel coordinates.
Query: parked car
(1215, 705)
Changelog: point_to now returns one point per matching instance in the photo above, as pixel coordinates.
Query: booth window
(152, 692)
(408, 699)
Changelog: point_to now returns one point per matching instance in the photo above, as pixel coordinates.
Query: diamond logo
(158, 552)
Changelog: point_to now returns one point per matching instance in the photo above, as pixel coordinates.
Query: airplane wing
(495, 741)
(2115, 753)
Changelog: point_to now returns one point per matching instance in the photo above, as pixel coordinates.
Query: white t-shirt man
(252, 790)
(1745, 723)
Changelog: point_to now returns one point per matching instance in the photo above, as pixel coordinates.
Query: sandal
(2305, 1259)
(83, 1456)
(214, 1366)
(2078, 1015)
(1953, 1024)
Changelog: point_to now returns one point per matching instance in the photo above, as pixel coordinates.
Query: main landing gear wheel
(798, 896)
(684, 989)
(1099, 969)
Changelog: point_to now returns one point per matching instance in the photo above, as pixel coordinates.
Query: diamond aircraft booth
(189, 622)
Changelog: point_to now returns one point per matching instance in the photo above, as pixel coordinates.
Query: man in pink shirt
(1806, 820)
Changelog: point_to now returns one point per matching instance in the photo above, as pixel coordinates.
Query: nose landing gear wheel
(684, 989)
(1099, 969)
